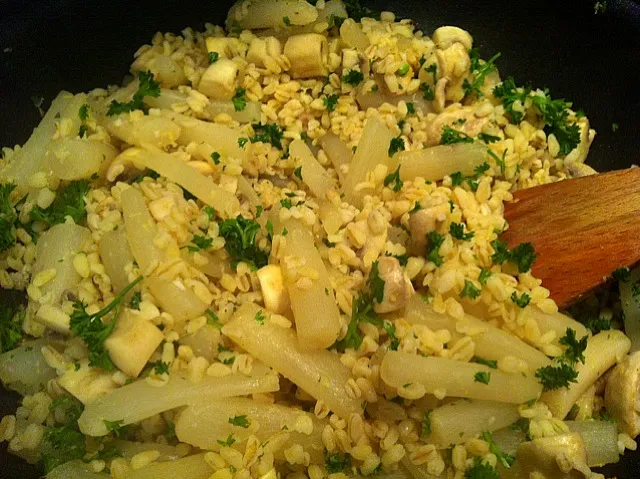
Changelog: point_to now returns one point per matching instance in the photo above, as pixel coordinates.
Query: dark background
(593, 60)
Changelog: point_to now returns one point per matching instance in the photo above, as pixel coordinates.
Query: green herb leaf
(487, 362)
(396, 145)
(212, 319)
(210, 212)
(160, 368)
(228, 442)
(286, 21)
(479, 71)
(240, 242)
(556, 377)
(213, 57)
(267, 133)
(482, 377)
(488, 138)
(239, 100)
(433, 247)
(376, 283)
(428, 93)
(505, 459)
(470, 290)
(457, 231)
(523, 255)
(147, 87)
(623, 275)
(115, 427)
(353, 77)
(93, 331)
(522, 301)
(11, 319)
(215, 156)
(200, 243)
(336, 463)
(61, 444)
(485, 274)
(512, 96)
(575, 349)
(240, 421)
(403, 70)
(394, 180)
(425, 429)
(260, 317)
(330, 102)
(68, 202)
(136, 299)
(411, 109)
(451, 136)
(8, 218)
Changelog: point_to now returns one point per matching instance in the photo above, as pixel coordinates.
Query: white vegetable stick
(352, 35)
(601, 440)
(24, 369)
(314, 332)
(337, 152)
(177, 299)
(190, 467)
(129, 449)
(224, 138)
(140, 399)
(56, 249)
(456, 422)
(30, 158)
(203, 424)
(456, 378)
(115, 255)
(373, 150)
(436, 162)
(490, 342)
(313, 173)
(77, 470)
(196, 183)
(604, 350)
(143, 130)
(141, 229)
(557, 322)
(76, 158)
(319, 373)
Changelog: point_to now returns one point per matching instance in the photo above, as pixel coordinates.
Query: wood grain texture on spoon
(582, 230)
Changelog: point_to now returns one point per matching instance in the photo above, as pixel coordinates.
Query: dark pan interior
(591, 59)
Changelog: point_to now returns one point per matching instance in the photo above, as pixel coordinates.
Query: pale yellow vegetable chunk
(116, 255)
(194, 182)
(557, 322)
(352, 35)
(143, 130)
(141, 229)
(490, 342)
(319, 373)
(204, 424)
(456, 378)
(131, 403)
(456, 422)
(313, 173)
(30, 158)
(24, 369)
(77, 159)
(86, 383)
(76, 470)
(373, 150)
(56, 249)
(269, 13)
(190, 467)
(204, 342)
(174, 297)
(436, 162)
(309, 289)
(604, 350)
(132, 343)
(337, 152)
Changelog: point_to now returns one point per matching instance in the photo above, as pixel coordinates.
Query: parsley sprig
(8, 218)
(479, 71)
(93, 331)
(564, 373)
(68, 202)
(523, 255)
(147, 87)
(240, 242)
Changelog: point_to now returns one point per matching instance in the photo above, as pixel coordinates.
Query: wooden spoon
(582, 230)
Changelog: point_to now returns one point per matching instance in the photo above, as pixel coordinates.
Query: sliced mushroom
(622, 394)
(397, 286)
(558, 457)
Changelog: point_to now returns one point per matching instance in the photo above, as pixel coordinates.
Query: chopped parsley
(488, 139)
(479, 72)
(512, 95)
(240, 242)
(213, 57)
(242, 141)
(61, 444)
(83, 114)
(396, 145)
(136, 299)
(485, 274)
(240, 421)
(335, 21)
(147, 87)
(336, 463)
(212, 319)
(425, 426)
(433, 247)
(353, 77)
(556, 377)
(623, 275)
(493, 364)
(215, 156)
(433, 69)
(330, 102)
(115, 427)
(393, 180)
(286, 21)
(210, 212)
(260, 317)
(93, 331)
(68, 202)
(481, 470)
(8, 218)
(457, 231)
(505, 459)
(11, 319)
(482, 377)
(376, 283)
(200, 243)
(160, 368)
(411, 109)
(521, 301)
(267, 133)
(596, 323)
(298, 172)
(523, 255)
(470, 290)
(500, 161)
(451, 136)
(428, 93)
(228, 442)
(239, 100)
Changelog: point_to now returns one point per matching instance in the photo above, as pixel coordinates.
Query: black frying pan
(593, 60)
